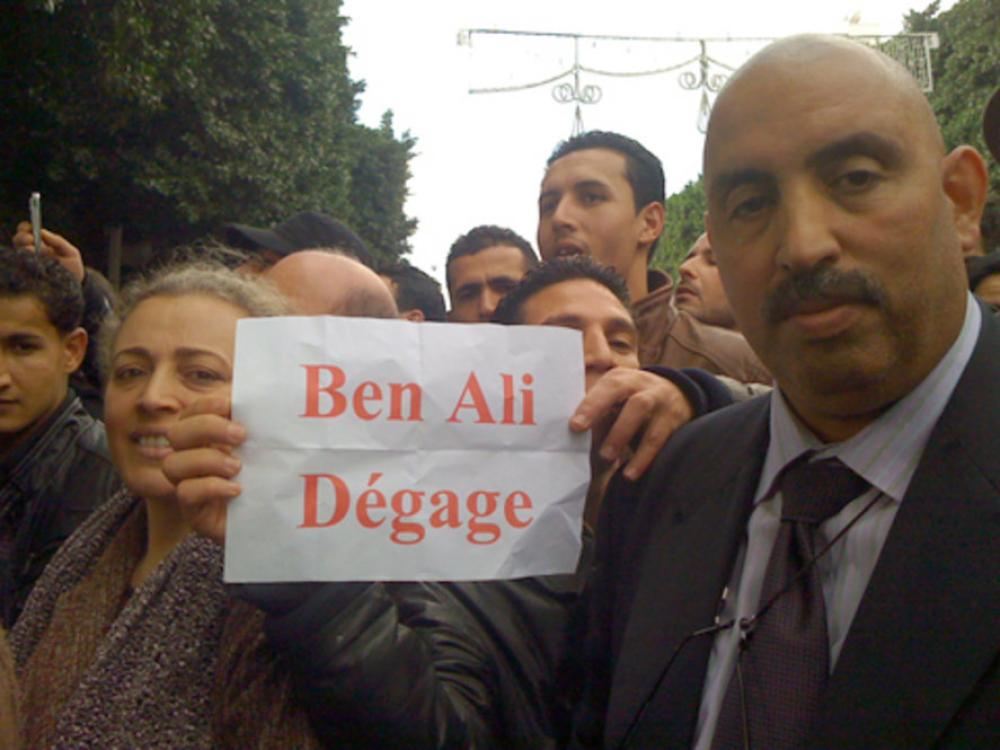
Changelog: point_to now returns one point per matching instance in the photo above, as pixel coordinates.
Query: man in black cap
(304, 231)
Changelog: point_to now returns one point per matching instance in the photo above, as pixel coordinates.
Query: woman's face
(169, 351)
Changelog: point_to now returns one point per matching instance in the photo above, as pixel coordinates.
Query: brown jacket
(674, 338)
(9, 734)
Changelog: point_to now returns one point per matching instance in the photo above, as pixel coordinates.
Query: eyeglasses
(746, 626)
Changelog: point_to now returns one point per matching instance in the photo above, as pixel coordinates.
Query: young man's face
(587, 207)
(35, 364)
(610, 338)
(701, 292)
(477, 282)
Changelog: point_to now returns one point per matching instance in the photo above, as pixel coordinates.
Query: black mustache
(822, 283)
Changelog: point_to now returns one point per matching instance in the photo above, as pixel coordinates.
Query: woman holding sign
(423, 665)
(126, 639)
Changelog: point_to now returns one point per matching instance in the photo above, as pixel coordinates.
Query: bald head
(840, 67)
(326, 283)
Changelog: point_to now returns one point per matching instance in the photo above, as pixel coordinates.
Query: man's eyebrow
(864, 143)
(568, 320)
(184, 352)
(563, 320)
(23, 336)
(726, 182)
(623, 325)
(581, 185)
(139, 351)
(181, 352)
(468, 285)
(591, 185)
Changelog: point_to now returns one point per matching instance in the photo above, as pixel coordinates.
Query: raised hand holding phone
(35, 212)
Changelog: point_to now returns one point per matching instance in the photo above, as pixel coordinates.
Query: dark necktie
(786, 659)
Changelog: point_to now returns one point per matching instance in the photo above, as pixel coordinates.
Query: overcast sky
(479, 157)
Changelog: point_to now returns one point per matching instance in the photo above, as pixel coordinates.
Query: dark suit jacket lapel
(926, 629)
(680, 582)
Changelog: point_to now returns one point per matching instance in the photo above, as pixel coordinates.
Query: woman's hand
(202, 465)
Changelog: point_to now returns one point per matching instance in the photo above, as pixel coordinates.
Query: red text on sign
(325, 399)
(472, 398)
(327, 502)
(329, 395)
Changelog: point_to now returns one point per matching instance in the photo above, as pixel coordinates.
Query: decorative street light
(708, 76)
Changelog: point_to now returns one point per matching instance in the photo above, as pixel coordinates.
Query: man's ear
(965, 181)
(652, 218)
(74, 350)
(416, 315)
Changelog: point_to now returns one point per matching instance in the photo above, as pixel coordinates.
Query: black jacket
(50, 483)
(87, 381)
(427, 665)
(920, 666)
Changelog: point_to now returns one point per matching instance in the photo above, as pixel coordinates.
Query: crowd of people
(790, 532)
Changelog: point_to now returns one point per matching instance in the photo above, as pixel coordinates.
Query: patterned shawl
(99, 668)
(8, 698)
(175, 664)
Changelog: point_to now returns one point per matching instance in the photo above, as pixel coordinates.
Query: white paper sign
(388, 450)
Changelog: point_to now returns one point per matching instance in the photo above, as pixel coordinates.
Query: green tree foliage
(966, 73)
(382, 161)
(685, 221)
(170, 118)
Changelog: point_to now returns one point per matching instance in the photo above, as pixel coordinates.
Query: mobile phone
(35, 210)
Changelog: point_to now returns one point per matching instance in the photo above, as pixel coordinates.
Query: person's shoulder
(699, 459)
(728, 352)
(973, 410)
(986, 354)
(715, 439)
(90, 469)
(90, 432)
(92, 440)
(655, 314)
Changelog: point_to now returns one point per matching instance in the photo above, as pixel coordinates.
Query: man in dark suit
(723, 611)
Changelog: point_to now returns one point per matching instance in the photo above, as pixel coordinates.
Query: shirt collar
(886, 452)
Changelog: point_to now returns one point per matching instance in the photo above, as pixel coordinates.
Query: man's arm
(742, 391)
(643, 408)
(393, 665)
(97, 303)
(423, 665)
(54, 245)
